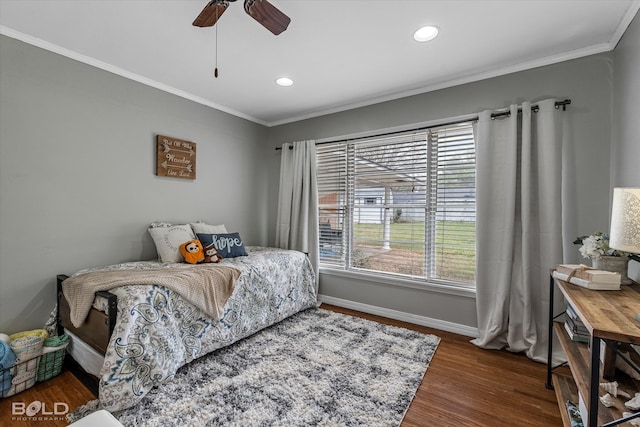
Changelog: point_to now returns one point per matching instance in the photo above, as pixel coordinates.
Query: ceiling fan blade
(268, 15)
(211, 13)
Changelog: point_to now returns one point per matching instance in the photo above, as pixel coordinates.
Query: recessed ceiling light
(425, 34)
(284, 81)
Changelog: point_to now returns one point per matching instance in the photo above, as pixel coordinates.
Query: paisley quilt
(157, 331)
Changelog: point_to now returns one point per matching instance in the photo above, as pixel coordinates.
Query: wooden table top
(606, 314)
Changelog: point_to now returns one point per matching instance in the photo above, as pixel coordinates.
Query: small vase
(617, 264)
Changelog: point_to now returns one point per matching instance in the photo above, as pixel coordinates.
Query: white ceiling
(340, 53)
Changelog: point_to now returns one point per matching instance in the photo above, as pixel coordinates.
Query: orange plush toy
(192, 251)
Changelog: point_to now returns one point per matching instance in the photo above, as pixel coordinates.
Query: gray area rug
(317, 367)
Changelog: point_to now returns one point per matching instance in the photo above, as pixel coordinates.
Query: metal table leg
(594, 382)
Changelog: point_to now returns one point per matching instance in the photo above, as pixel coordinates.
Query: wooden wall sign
(176, 158)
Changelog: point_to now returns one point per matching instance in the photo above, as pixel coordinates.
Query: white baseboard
(442, 325)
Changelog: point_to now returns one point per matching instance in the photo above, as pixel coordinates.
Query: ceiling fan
(261, 10)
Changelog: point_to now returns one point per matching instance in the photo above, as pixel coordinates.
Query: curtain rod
(534, 108)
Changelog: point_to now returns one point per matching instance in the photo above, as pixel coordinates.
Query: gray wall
(586, 81)
(77, 174)
(625, 161)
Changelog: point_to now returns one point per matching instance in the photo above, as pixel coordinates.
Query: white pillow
(203, 228)
(169, 239)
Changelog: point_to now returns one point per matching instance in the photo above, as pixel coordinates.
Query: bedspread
(157, 331)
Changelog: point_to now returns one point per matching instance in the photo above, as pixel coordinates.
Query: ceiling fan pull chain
(215, 72)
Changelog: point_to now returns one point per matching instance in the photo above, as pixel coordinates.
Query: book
(571, 268)
(573, 411)
(599, 276)
(585, 272)
(586, 283)
(571, 312)
(576, 327)
(576, 336)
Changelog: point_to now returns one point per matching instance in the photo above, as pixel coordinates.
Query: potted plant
(596, 247)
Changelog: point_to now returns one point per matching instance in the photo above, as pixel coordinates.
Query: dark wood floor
(464, 386)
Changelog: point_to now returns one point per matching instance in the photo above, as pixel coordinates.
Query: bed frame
(97, 328)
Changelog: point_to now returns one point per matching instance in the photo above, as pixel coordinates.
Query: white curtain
(519, 227)
(297, 223)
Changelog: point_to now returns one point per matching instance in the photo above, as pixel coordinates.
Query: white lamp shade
(625, 220)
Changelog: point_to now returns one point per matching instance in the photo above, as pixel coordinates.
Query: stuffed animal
(192, 251)
(211, 254)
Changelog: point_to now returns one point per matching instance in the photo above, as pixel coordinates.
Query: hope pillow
(229, 245)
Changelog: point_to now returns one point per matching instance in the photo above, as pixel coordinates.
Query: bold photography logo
(39, 410)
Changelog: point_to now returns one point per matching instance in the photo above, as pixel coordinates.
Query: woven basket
(23, 374)
(53, 353)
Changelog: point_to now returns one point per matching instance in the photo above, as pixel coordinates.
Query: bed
(147, 332)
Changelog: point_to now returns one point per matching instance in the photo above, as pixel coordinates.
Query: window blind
(402, 204)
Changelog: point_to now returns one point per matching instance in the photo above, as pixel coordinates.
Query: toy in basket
(7, 360)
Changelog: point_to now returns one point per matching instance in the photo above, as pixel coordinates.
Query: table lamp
(625, 221)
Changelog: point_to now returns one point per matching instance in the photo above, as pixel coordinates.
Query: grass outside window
(454, 250)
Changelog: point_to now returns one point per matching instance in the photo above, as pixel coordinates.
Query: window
(402, 204)
(370, 200)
